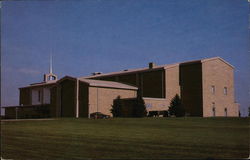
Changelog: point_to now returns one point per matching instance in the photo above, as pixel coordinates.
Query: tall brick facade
(220, 75)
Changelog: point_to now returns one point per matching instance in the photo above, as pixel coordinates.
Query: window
(213, 109)
(39, 96)
(36, 96)
(225, 110)
(225, 90)
(213, 89)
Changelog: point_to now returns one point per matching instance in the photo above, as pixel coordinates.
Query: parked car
(99, 115)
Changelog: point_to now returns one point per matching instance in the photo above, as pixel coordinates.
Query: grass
(126, 138)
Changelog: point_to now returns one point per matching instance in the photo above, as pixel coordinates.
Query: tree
(117, 107)
(139, 108)
(129, 108)
(176, 108)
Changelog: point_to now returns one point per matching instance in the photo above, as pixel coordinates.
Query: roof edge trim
(214, 58)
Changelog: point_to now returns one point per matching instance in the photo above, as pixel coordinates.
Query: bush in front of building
(176, 108)
(116, 107)
(129, 107)
(139, 108)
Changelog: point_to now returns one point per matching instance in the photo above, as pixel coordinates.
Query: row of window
(224, 90)
(214, 111)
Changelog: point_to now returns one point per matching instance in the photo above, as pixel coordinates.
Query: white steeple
(50, 76)
(50, 65)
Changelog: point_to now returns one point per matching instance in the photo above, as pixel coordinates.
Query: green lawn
(126, 138)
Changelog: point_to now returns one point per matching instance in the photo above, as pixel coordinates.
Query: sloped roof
(155, 68)
(41, 84)
(214, 58)
(109, 84)
(102, 83)
(126, 71)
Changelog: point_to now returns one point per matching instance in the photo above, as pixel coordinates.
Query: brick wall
(219, 74)
(172, 83)
(101, 99)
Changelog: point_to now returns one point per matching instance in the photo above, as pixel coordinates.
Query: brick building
(206, 88)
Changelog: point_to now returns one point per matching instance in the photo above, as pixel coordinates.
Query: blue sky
(86, 36)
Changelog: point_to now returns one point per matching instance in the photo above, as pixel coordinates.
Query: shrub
(139, 108)
(176, 108)
(117, 107)
(128, 107)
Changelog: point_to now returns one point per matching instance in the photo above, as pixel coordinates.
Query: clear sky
(86, 36)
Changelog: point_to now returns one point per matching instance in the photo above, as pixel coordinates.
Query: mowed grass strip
(126, 138)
